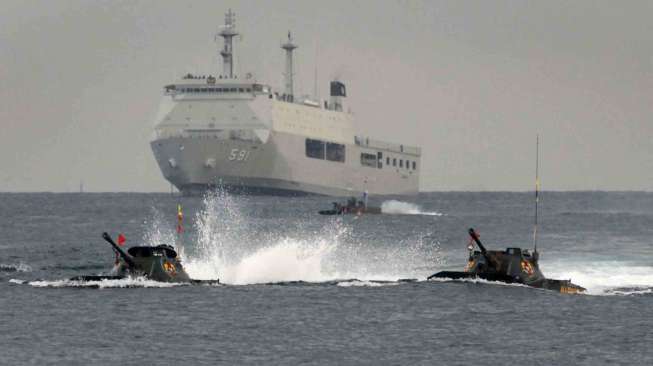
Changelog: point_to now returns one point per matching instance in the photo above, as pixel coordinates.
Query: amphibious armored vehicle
(159, 263)
(514, 265)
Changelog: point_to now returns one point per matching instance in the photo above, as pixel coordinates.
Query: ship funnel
(338, 92)
(289, 46)
(228, 32)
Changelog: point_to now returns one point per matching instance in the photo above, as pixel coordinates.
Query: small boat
(352, 207)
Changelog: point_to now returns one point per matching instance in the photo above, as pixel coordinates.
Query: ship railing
(218, 134)
(388, 146)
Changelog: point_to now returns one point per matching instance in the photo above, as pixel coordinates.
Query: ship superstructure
(242, 135)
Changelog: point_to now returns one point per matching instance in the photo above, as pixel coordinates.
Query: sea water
(301, 288)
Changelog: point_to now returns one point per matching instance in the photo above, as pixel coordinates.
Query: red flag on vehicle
(121, 239)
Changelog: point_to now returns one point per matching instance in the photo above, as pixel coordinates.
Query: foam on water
(121, 283)
(357, 283)
(405, 208)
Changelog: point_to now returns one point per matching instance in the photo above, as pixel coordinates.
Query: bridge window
(315, 149)
(401, 163)
(379, 160)
(394, 161)
(335, 152)
(387, 161)
(368, 160)
(414, 166)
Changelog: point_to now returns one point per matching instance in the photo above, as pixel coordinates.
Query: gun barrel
(128, 259)
(474, 236)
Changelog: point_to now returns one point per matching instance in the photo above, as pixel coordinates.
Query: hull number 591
(239, 155)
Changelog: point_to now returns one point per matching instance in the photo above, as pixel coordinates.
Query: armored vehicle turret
(513, 265)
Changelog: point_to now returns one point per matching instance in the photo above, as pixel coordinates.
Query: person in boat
(337, 207)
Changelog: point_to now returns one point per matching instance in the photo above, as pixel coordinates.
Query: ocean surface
(300, 288)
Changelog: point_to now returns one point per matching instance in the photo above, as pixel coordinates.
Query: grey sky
(471, 82)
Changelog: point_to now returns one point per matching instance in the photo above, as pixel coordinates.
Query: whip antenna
(537, 188)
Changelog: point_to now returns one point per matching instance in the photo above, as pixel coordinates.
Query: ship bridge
(191, 86)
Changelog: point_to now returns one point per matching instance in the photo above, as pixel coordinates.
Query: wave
(405, 208)
(626, 291)
(478, 281)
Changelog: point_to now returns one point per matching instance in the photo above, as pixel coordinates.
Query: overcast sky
(471, 82)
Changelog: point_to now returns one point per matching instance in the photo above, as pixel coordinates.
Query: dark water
(305, 289)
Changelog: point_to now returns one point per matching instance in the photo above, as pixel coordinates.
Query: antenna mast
(289, 47)
(228, 32)
(317, 97)
(537, 188)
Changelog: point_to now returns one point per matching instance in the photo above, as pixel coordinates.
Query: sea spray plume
(158, 230)
(225, 243)
(222, 234)
(408, 257)
(305, 256)
(232, 247)
(242, 250)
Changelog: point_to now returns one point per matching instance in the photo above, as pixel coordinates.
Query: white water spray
(604, 278)
(405, 208)
(238, 249)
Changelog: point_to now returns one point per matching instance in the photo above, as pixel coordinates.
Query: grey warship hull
(277, 167)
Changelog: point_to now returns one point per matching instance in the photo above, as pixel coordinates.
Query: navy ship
(241, 134)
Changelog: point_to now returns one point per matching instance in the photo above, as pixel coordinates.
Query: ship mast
(289, 47)
(228, 32)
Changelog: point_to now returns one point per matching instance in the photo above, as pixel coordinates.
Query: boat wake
(405, 208)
